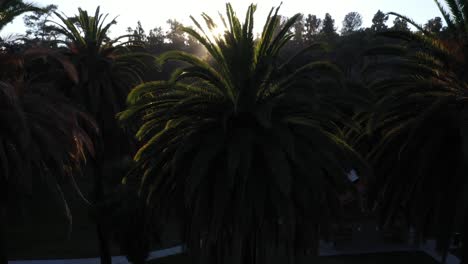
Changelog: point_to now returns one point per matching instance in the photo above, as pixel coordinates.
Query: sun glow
(217, 33)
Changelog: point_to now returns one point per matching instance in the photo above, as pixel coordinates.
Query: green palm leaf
(10, 9)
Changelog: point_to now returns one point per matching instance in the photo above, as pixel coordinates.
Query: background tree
(155, 39)
(175, 35)
(434, 25)
(37, 24)
(180, 40)
(312, 27)
(138, 35)
(400, 24)
(299, 31)
(378, 22)
(328, 26)
(351, 23)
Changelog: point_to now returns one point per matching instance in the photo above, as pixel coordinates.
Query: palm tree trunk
(464, 246)
(3, 240)
(104, 247)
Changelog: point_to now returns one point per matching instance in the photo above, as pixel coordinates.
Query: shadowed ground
(378, 258)
(38, 233)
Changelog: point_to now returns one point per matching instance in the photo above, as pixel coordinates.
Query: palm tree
(9, 9)
(107, 70)
(422, 118)
(43, 137)
(44, 134)
(245, 147)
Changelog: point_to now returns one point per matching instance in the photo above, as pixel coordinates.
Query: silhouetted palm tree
(244, 147)
(43, 136)
(107, 70)
(422, 116)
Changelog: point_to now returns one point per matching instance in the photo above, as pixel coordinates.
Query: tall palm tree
(43, 137)
(245, 147)
(9, 9)
(422, 115)
(107, 70)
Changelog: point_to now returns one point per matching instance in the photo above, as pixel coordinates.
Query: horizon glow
(154, 14)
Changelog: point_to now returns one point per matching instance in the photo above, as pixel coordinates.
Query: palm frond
(448, 19)
(457, 14)
(411, 21)
(10, 9)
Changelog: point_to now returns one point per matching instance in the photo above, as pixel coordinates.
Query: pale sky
(156, 12)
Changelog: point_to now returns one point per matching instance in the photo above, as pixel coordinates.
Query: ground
(39, 234)
(377, 258)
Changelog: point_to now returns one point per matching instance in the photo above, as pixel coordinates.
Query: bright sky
(154, 13)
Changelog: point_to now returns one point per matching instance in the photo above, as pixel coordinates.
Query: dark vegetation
(238, 145)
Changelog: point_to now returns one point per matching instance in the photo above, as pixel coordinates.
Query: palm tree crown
(107, 68)
(245, 146)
